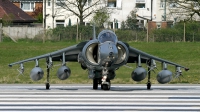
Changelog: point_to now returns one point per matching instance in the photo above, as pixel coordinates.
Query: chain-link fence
(123, 35)
(195, 37)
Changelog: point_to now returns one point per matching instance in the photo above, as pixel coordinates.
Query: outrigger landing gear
(149, 82)
(47, 86)
(149, 76)
(48, 71)
(148, 85)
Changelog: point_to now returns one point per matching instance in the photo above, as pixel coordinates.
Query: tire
(47, 86)
(95, 83)
(148, 85)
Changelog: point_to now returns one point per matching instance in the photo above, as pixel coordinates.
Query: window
(196, 5)
(140, 23)
(60, 23)
(60, 2)
(49, 3)
(140, 5)
(111, 3)
(27, 6)
(173, 5)
(114, 3)
(88, 2)
(162, 3)
(111, 25)
(140, 1)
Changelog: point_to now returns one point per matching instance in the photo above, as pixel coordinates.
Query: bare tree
(82, 8)
(184, 9)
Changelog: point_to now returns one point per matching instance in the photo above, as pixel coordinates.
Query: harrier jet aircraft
(102, 56)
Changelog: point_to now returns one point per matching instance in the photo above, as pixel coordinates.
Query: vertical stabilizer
(94, 32)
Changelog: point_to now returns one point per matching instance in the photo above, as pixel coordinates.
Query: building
(147, 10)
(28, 6)
(11, 13)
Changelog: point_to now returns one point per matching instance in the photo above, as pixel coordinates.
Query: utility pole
(184, 32)
(44, 21)
(148, 21)
(77, 31)
(151, 9)
(0, 30)
(165, 10)
(147, 30)
(53, 16)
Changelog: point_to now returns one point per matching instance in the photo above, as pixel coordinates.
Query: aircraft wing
(71, 54)
(134, 53)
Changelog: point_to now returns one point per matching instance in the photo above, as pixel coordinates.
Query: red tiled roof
(17, 15)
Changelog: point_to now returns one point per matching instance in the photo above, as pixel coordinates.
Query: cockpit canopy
(107, 35)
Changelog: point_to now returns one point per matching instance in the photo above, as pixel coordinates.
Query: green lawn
(186, 54)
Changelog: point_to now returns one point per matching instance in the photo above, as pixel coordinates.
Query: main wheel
(95, 83)
(47, 86)
(106, 86)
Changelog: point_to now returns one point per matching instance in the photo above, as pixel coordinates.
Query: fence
(64, 34)
(21, 32)
(194, 37)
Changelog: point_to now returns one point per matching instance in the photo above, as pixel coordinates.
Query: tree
(82, 8)
(184, 9)
(131, 21)
(7, 19)
(100, 17)
(38, 14)
(123, 25)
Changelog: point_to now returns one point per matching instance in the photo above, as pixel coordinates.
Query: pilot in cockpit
(107, 36)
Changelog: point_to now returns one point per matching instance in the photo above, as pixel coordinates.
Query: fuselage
(105, 52)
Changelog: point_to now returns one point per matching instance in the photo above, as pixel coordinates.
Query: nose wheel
(106, 85)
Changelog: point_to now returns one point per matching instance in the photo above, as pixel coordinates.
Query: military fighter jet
(102, 56)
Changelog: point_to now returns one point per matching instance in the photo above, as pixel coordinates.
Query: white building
(120, 11)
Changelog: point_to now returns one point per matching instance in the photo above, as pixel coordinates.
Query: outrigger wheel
(148, 85)
(47, 86)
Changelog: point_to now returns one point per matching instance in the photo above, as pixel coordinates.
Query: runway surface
(84, 98)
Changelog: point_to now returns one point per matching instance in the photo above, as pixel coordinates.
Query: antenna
(94, 32)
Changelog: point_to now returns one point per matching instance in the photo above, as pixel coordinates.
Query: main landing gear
(104, 85)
